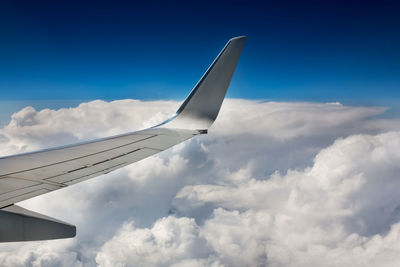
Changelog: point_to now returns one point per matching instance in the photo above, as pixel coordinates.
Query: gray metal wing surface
(31, 174)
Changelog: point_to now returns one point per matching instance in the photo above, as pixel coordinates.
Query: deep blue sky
(296, 50)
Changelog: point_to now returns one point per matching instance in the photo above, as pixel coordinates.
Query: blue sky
(331, 169)
(70, 51)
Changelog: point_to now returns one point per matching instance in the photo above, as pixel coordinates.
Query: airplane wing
(31, 174)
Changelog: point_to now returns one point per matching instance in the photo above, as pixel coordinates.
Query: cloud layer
(272, 184)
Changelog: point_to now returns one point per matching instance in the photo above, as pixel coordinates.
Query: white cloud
(170, 241)
(278, 184)
(29, 129)
(57, 253)
(347, 203)
(289, 120)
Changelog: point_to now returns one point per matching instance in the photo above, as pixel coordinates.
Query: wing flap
(30, 161)
(9, 184)
(22, 194)
(102, 167)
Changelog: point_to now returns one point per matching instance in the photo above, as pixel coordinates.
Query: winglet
(201, 107)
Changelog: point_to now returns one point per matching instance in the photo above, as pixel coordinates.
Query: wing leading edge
(31, 174)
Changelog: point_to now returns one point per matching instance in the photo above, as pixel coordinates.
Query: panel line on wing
(74, 170)
(88, 166)
(102, 171)
(30, 192)
(92, 154)
(153, 148)
(33, 180)
(37, 183)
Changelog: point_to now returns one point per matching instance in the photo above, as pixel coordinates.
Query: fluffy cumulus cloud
(272, 184)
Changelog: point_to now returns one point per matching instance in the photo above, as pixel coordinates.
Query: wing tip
(244, 37)
(201, 107)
